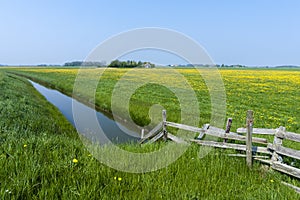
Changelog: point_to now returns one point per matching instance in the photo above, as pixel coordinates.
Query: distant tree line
(236, 66)
(84, 63)
(114, 64)
(130, 64)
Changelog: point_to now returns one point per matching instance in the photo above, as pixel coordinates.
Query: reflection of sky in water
(86, 125)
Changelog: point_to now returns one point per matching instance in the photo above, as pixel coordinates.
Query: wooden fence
(278, 150)
(263, 151)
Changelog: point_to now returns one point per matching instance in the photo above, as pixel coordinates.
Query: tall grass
(38, 147)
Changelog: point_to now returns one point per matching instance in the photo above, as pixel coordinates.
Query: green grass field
(38, 146)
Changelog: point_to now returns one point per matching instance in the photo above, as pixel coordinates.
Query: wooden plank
(240, 147)
(185, 127)
(176, 139)
(261, 131)
(228, 126)
(261, 150)
(142, 133)
(157, 137)
(269, 162)
(152, 132)
(285, 151)
(292, 136)
(164, 117)
(277, 142)
(244, 156)
(249, 124)
(297, 189)
(201, 134)
(217, 132)
(280, 132)
(214, 131)
(236, 155)
(254, 139)
(293, 171)
(220, 131)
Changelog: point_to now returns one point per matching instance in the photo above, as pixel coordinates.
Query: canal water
(114, 131)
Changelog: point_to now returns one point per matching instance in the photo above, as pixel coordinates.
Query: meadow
(41, 155)
(273, 95)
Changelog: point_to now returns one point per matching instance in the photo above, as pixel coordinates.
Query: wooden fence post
(142, 133)
(277, 142)
(164, 117)
(228, 126)
(249, 124)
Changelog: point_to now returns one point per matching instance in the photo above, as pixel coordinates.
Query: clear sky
(258, 32)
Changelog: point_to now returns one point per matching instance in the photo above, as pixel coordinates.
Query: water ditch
(114, 131)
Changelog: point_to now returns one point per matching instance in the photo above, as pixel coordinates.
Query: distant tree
(74, 63)
(115, 63)
(130, 64)
(85, 63)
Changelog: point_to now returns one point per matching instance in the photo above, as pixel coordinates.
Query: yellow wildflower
(25, 145)
(75, 160)
(119, 179)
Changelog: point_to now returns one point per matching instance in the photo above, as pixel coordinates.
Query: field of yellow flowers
(273, 95)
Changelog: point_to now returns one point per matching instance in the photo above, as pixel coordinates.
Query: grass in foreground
(41, 157)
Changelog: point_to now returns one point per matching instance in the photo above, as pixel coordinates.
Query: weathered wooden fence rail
(278, 150)
(271, 152)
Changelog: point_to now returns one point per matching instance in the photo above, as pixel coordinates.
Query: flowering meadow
(273, 94)
(42, 157)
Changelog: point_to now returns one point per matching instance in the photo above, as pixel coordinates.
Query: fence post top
(250, 111)
(280, 132)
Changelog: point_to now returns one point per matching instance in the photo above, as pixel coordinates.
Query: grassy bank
(38, 148)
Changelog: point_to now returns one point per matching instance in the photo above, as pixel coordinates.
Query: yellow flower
(75, 160)
(272, 181)
(89, 155)
(25, 145)
(118, 178)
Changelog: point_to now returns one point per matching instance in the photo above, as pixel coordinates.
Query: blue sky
(259, 32)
